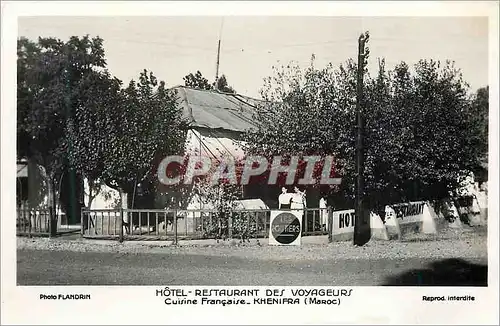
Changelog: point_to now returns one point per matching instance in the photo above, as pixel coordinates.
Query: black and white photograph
(244, 151)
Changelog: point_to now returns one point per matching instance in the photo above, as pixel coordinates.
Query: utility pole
(217, 67)
(361, 215)
(218, 56)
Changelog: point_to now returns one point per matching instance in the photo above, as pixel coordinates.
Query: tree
(479, 113)
(49, 74)
(199, 82)
(421, 131)
(309, 112)
(438, 140)
(219, 196)
(222, 85)
(27, 88)
(120, 137)
(95, 123)
(480, 110)
(415, 124)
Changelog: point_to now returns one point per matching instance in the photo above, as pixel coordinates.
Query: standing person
(323, 213)
(299, 199)
(285, 199)
(299, 204)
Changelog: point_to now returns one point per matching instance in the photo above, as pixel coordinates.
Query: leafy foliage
(72, 114)
(479, 113)
(307, 114)
(50, 75)
(421, 128)
(222, 85)
(218, 196)
(427, 135)
(94, 125)
(199, 82)
(480, 110)
(120, 134)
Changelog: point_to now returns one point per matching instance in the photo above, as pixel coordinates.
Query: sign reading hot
(286, 227)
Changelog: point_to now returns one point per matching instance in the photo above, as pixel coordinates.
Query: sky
(173, 47)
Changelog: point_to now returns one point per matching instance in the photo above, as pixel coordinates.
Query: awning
(250, 204)
(214, 144)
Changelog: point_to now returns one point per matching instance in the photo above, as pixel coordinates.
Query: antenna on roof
(218, 56)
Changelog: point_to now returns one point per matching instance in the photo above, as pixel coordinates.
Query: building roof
(217, 110)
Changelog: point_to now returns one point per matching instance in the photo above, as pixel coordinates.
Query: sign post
(285, 228)
(361, 227)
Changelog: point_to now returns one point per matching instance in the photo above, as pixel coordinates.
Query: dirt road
(451, 258)
(39, 267)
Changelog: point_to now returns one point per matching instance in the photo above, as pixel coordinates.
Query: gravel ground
(464, 243)
(451, 258)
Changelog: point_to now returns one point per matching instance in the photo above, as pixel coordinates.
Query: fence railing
(38, 222)
(33, 221)
(179, 224)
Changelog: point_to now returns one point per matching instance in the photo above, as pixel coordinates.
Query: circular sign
(285, 228)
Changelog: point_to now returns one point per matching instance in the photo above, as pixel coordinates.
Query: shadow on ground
(446, 272)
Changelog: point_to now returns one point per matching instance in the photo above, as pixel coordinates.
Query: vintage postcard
(274, 163)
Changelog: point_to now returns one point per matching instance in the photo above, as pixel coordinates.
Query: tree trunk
(91, 195)
(125, 223)
(51, 198)
(52, 207)
(124, 205)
